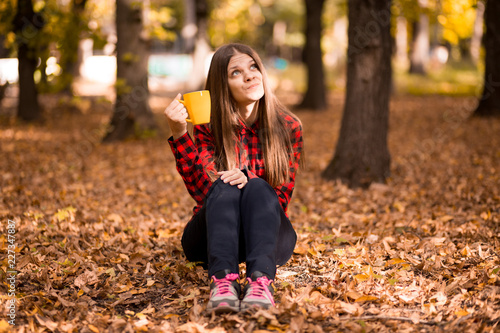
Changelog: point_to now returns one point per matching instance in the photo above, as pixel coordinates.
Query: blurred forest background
(435, 44)
(396, 210)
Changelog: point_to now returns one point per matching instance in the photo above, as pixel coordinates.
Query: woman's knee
(223, 191)
(258, 190)
(259, 185)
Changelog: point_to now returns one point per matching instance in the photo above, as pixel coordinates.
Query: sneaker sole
(256, 306)
(223, 309)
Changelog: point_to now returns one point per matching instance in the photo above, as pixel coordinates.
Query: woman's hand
(234, 177)
(176, 115)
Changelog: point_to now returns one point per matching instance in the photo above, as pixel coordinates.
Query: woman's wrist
(178, 134)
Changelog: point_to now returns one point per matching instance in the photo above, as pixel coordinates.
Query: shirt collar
(253, 128)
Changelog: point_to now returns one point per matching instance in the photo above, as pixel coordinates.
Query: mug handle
(184, 103)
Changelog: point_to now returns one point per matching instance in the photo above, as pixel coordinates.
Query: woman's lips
(253, 86)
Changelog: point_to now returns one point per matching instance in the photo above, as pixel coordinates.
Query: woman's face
(244, 79)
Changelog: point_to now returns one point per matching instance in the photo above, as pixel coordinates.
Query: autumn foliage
(98, 230)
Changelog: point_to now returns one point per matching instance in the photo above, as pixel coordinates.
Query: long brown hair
(273, 133)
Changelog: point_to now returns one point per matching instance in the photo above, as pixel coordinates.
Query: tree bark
(4, 53)
(315, 96)
(201, 48)
(362, 156)
(132, 115)
(489, 104)
(189, 30)
(420, 43)
(401, 41)
(27, 26)
(477, 33)
(69, 58)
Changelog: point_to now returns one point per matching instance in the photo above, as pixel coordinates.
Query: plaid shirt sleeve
(285, 190)
(195, 162)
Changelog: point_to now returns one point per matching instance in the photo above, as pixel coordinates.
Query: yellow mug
(198, 106)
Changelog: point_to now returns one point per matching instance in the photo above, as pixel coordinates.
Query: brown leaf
(46, 322)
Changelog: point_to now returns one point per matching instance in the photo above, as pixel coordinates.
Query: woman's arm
(285, 190)
(194, 161)
(176, 115)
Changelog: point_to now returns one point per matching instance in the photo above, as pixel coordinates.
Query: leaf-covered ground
(97, 230)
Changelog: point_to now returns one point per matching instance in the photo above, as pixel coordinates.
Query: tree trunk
(315, 97)
(4, 53)
(401, 41)
(189, 29)
(489, 104)
(201, 48)
(477, 33)
(69, 58)
(27, 25)
(420, 44)
(362, 156)
(132, 115)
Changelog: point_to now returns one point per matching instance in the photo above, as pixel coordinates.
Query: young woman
(240, 169)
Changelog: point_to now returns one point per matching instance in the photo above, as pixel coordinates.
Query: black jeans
(240, 225)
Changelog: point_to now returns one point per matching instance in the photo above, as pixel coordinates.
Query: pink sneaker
(224, 293)
(259, 292)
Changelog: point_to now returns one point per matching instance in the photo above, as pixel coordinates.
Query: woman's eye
(254, 66)
(236, 72)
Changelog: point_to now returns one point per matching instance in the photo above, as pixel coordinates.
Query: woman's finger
(234, 177)
(231, 175)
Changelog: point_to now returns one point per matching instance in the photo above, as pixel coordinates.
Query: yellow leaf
(461, 313)
(300, 250)
(80, 292)
(339, 252)
(171, 315)
(321, 247)
(466, 252)
(361, 277)
(486, 215)
(165, 233)
(65, 213)
(4, 326)
(446, 218)
(122, 287)
(395, 261)
(141, 315)
(313, 252)
(139, 291)
(366, 298)
(93, 328)
(399, 207)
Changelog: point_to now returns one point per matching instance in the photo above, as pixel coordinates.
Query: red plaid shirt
(195, 160)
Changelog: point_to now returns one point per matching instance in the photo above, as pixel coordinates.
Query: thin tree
(27, 25)
(419, 56)
(69, 56)
(315, 96)
(362, 156)
(201, 47)
(489, 104)
(132, 114)
(477, 33)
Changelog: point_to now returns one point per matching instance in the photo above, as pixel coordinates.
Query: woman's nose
(249, 76)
